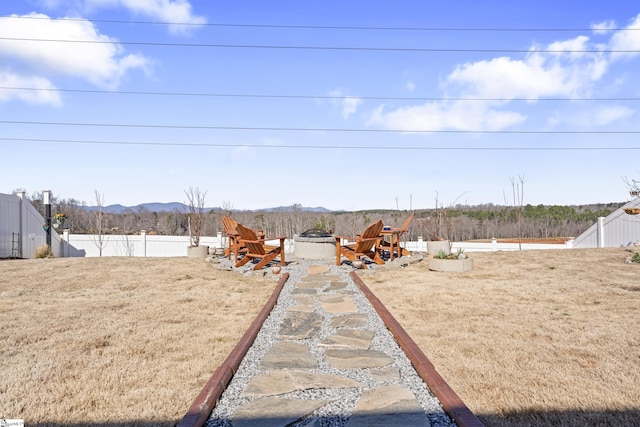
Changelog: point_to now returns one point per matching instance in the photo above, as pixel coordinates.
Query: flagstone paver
(336, 285)
(300, 325)
(349, 321)
(281, 382)
(274, 411)
(312, 284)
(337, 304)
(329, 277)
(304, 299)
(357, 359)
(304, 304)
(302, 308)
(390, 373)
(318, 269)
(390, 405)
(292, 355)
(304, 291)
(349, 338)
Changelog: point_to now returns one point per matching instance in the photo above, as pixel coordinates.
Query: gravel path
(344, 400)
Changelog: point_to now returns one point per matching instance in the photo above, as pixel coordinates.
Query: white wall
(18, 216)
(616, 230)
(145, 245)
(492, 246)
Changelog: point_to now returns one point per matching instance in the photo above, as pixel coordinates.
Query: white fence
(492, 246)
(147, 245)
(21, 229)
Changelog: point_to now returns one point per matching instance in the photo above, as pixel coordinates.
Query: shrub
(44, 251)
(441, 254)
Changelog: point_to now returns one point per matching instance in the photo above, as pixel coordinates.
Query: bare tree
(226, 208)
(443, 226)
(196, 214)
(517, 188)
(633, 185)
(99, 224)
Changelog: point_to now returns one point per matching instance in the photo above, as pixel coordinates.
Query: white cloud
(348, 105)
(603, 27)
(539, 74)
(626, 40)
(600, 116)
(45, 95)
(103, 63)
(159, 10)
(436, 116)
(410, 86)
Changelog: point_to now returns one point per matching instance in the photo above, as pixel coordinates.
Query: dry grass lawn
(526, 338)
(116, 341)
(529, 338)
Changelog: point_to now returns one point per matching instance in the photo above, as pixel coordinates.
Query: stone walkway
(325, 359)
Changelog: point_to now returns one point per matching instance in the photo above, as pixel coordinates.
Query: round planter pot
(434, 246)
(451, 265)
(197, 251)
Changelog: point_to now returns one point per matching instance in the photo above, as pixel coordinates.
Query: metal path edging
(201, 408)
(451, 403)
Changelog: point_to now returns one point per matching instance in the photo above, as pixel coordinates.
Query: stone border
(201, 408)
(452, 404)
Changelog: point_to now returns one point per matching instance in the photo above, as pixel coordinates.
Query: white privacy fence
(492, 246)
(21, 229)
(148, 245)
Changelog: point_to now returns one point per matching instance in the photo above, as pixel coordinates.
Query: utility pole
(46, 195)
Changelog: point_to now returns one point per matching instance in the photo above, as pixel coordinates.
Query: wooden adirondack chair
(395, 234)
(366, 245)
(233, 238)
(256, 248)
(229, 229)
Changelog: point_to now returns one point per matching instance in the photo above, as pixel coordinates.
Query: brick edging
(201, 408)
(451, 403)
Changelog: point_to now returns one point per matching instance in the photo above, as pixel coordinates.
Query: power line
(287, 146)
(300, 129)
(289, 96)
(322, 27)
(334, 48)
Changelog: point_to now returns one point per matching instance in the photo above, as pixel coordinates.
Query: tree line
(457, 223)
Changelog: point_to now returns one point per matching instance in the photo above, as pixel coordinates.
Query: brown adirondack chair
(233, 238)
(395, 234)
(366, 245)
(256, 248)
(229, 229)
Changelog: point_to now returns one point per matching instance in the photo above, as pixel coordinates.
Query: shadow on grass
(131, 423)
(570, 418)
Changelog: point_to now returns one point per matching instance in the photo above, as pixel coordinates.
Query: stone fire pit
(315, 244)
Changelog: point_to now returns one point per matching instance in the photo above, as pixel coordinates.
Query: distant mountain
(165, 207)
(151, 207)
(108, 209)
(288, 208)
(170, 207)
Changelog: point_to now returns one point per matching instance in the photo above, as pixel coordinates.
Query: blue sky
(453, 112)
